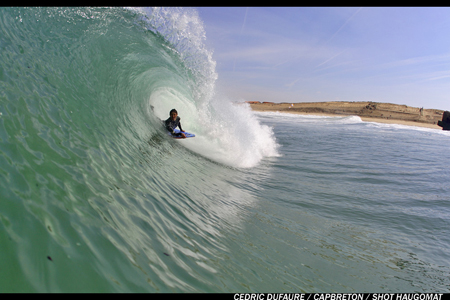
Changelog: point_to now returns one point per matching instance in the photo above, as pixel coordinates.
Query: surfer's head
(173, 114)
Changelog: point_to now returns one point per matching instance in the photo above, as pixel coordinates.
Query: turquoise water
(95, 197)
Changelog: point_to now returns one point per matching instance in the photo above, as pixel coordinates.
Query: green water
(95, 197)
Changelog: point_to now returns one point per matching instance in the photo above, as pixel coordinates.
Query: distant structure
(445, 123)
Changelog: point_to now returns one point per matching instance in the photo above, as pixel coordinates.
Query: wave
(122, 61)
(85, 160)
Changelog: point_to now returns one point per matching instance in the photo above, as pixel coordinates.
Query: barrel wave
(95, 195)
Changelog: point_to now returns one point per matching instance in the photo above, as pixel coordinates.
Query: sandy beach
(367, 111)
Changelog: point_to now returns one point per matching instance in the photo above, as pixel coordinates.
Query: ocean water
(95, 197)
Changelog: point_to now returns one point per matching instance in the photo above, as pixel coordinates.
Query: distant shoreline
(368, 111)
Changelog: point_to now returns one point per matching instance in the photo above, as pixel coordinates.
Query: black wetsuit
(171, 124)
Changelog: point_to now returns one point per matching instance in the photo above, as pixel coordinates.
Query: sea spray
(232, 134)
(183, 30)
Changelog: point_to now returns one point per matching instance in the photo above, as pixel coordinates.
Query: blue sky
(300, 54)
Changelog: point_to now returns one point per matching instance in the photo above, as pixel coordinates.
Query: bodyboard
(176, 130)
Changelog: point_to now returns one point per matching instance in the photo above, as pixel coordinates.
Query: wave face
(95, 196)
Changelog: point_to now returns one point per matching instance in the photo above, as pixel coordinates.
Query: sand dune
(368, 111)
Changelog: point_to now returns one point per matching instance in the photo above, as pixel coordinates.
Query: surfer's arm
(179, 125)
(181, 129)
(168, 127)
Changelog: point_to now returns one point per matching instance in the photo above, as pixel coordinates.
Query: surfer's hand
(183, 135)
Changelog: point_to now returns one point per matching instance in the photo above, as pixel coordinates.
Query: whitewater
(96, 197)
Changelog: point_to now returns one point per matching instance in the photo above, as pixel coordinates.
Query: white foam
(300, 118)
(409, 127)
(225, 132)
